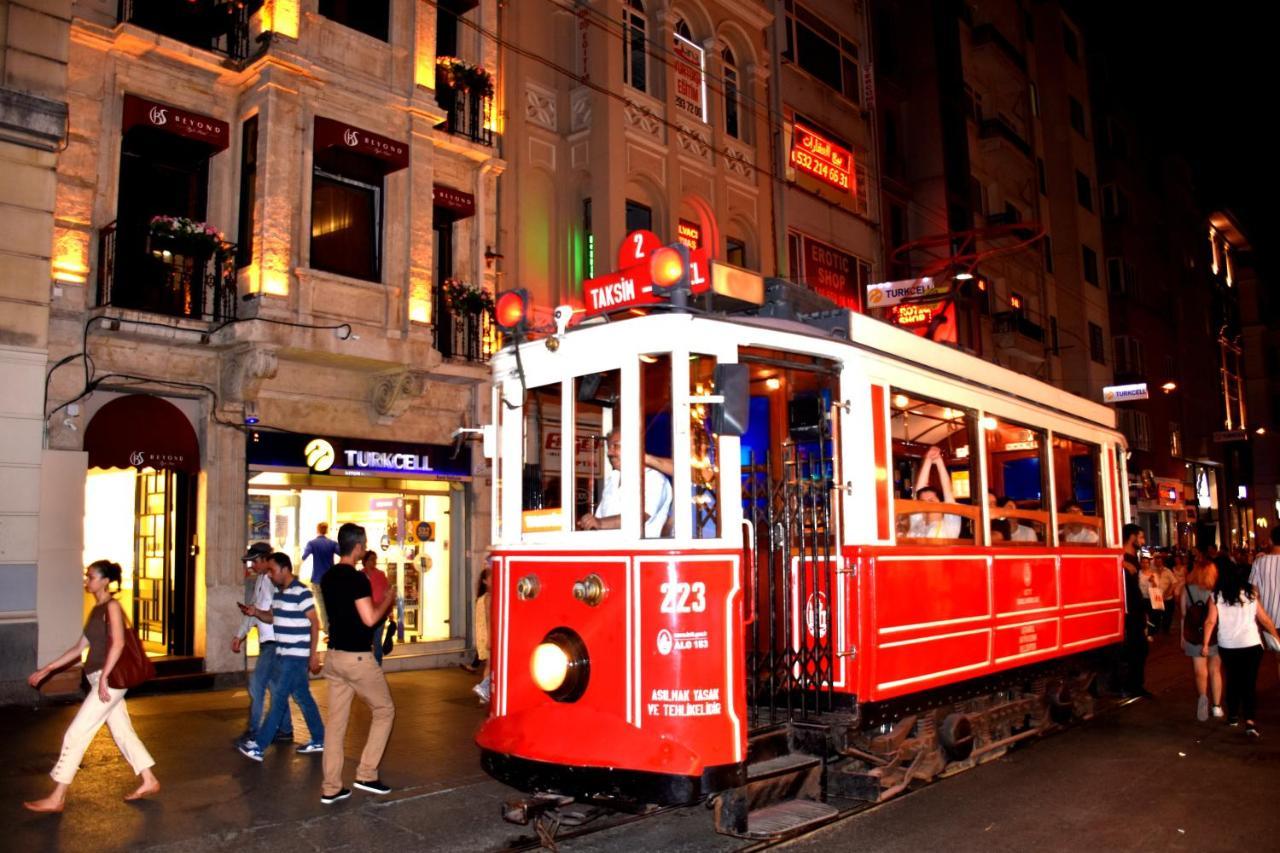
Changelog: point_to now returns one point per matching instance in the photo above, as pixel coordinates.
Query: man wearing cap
(259, 559)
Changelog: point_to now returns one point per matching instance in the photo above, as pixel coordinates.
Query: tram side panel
(662, 714)
(924, 619)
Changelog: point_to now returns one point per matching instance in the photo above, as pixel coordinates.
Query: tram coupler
(531, 808)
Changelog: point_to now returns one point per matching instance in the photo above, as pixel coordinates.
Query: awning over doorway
(140, 112)
(141, 431)
(339, 138)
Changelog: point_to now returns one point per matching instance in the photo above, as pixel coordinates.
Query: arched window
(682, 30)
(732, 96)
(635, 60)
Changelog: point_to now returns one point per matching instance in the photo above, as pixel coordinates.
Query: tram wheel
(1062, 705)
(956, 734)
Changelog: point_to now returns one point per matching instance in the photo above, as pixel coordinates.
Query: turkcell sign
(633, 287)
(1124, 393)
(890, 293)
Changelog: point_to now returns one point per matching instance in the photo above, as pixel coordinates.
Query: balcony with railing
(464, 329)
(1016, 322)
(1003, 128)
(163, 274)
(466, 93)
(221, 26)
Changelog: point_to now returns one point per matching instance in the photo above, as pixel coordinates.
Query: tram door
(789, 470)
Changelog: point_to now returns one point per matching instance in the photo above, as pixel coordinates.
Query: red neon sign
(633, 286)
(822, 158)
(689, 233)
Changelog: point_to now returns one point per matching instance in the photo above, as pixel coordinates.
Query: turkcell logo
(1124, 393)
(319, 454)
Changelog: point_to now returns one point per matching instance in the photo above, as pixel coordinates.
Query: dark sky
(1206, 77)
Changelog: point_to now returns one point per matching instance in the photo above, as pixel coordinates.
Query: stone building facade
(307, 357)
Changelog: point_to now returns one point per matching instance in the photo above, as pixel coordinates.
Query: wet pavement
(1144, 777)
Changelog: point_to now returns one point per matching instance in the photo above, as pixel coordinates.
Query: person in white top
(1265, 578)
(1075, 532)
(1236, 612)
(933, 525)
(608, 514)
(1019, 532)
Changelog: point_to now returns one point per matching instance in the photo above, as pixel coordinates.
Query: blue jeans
(290, 680)
(379, 631)
(258, 691)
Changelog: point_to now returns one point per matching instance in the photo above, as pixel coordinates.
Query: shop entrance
(140, 505)
(411, 525)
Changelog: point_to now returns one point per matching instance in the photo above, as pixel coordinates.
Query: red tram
(733, 554)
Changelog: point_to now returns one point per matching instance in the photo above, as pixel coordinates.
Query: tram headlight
(560, 665)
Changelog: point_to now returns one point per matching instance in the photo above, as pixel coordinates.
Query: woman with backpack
(1236, 613)
(1205, 662)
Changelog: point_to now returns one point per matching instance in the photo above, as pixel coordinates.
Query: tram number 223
(681, 597)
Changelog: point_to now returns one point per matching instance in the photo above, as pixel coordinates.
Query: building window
(1048, 253)
(346, 225)
(639, 217)
(1070, 43)
(1128, 354)
(822, 51)
(1175, 439)
(1136, 428)
(1077, 116)
(635, 59)
(1121, 277)
(731, 95)
(1089, 264)
(448, 13)
(248, 191)
(1035, 99)
(735, 251)
(1016, 302)
(370, 17)
(1042, 177)
(1084, 191)
(1097, 350)
(1114, 206)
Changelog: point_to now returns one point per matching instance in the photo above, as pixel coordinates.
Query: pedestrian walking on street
(1265, 577)
(1207, 668)
(380, 588)
(323, 551)
(259, 559)
(351, 669)
(1235, 611)
(297, 629)
(104, 637)
(1134, 655)
(482, 635)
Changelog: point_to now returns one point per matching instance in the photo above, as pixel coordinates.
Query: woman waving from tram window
(933, 525)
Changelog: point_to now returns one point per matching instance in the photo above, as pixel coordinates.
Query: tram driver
(933, 525)
(608, 514)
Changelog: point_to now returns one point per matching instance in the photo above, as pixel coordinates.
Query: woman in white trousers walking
(104, 637)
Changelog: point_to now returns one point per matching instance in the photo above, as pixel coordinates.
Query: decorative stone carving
(580, 109)
(740, 162)
(393, 392)
(540, 106)
(642, 119)
(693, 142)
(243, 372)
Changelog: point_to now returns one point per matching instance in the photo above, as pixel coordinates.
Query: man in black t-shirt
(1135, 615)
(351, 669)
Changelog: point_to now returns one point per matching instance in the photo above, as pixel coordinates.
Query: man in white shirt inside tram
(608, 514)
(933, 525)
(1074, 531)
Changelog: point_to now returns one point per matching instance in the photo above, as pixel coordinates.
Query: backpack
(1193, 623)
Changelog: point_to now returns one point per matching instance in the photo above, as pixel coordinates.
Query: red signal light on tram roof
(669, 266)
(511, 311)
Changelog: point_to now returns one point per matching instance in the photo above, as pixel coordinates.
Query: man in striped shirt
(1265, 578)
(297, 630)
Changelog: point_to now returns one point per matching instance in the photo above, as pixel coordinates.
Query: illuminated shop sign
(823, 159)
(354, 457)
(829, 271)
(691, 78)
(890, 293)
(1121, 393)
(913, 315)
(689, 233)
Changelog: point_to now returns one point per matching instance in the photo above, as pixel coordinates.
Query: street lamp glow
(1169, 386)
(963, 276)
(1261, 430)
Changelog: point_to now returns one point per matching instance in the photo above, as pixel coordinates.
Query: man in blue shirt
(323, 551)
(297, 630)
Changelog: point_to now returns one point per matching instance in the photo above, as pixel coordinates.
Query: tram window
(596, 398)
(541, 478)
(932, 464)
(656, 419)
(704, 451)
(1015, 483)
(1076, 491)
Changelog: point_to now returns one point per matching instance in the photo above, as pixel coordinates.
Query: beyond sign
(822, 158)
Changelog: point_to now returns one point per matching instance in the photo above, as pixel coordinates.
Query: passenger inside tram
(1015, 471)
(1077, 488)
(933, 525)
(931, 443)
(608, 513)
(1073, 529)
(1019, 532)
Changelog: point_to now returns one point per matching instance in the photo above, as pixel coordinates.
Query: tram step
(776, 781)
(790, 817)
(768, 744)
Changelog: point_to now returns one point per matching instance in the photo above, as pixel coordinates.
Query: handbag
(133, 667)
(389, 641)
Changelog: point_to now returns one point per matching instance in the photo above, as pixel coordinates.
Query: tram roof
(866, 334)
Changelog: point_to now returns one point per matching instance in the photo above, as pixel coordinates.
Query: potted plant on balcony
(454, 73)
(182, 236)
(464, 298)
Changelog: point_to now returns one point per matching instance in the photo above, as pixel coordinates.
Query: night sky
(1207, 77)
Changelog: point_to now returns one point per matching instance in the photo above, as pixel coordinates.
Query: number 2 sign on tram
(631, 285)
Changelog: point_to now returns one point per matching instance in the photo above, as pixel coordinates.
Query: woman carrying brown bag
(104, 635)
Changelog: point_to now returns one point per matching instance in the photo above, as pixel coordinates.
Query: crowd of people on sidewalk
(1221, 606)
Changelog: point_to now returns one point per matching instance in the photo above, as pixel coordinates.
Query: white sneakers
(482, 690)
(1217, 712)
